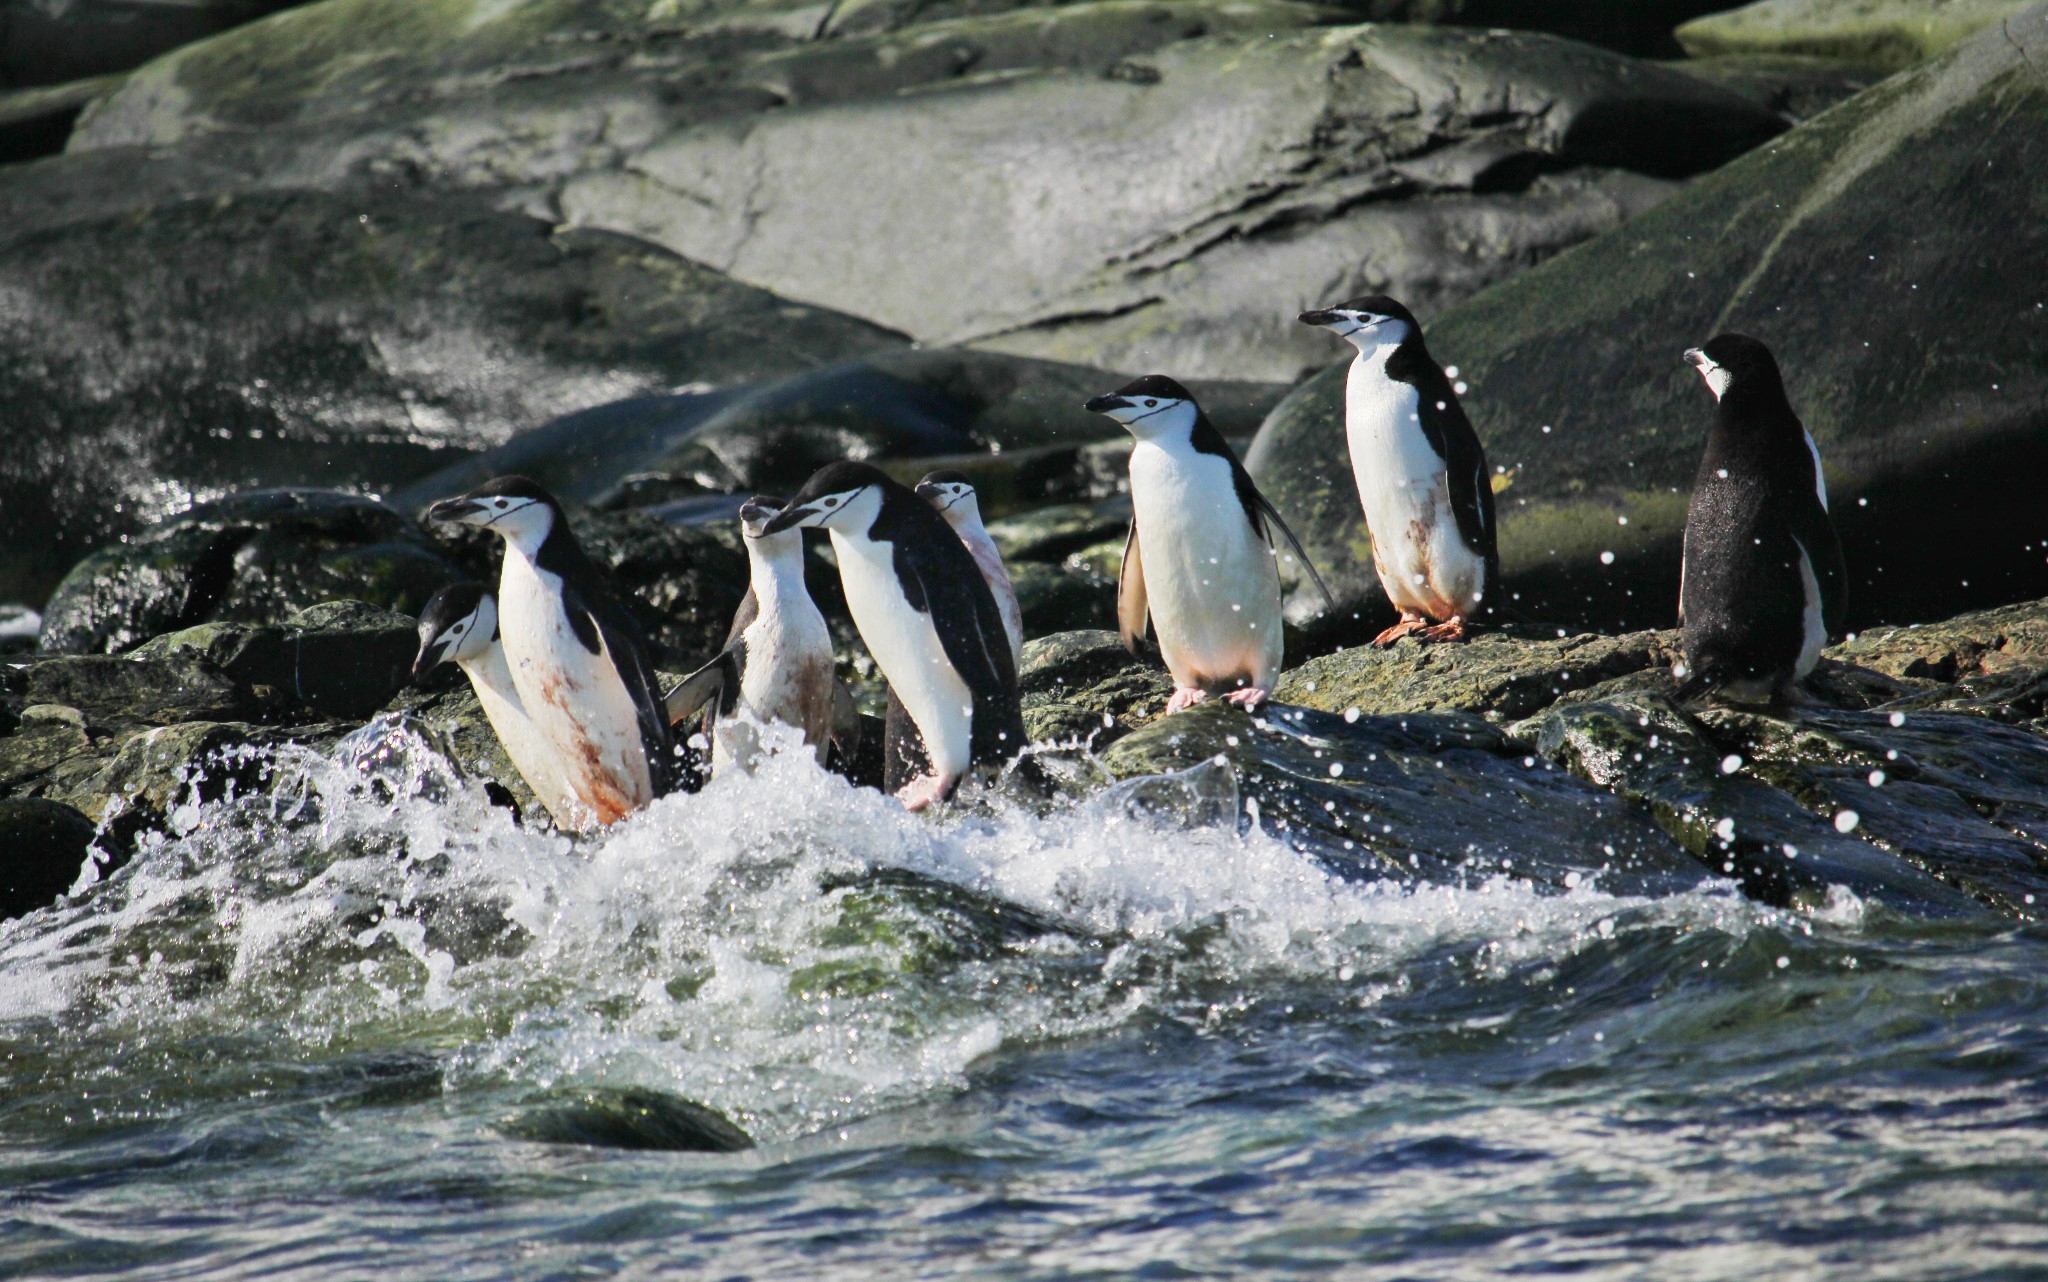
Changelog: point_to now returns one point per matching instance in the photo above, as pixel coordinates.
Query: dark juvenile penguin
(777, 661)
(1763, 584)
(581, 666)
(1421, 473)
(460, 626)
(927, 617)
(1200, 559)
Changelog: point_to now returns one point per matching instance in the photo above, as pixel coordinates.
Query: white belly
(531, 756)
(578, 706)
(788, 679)
(1212, 583)
(906, 646)
(1423, 564)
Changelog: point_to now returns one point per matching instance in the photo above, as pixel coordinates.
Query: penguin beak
(1696, 358)
(1104, 404)
(1320, 317)
(460, 510)
(787, 518)
(937, 494)
(430, 657)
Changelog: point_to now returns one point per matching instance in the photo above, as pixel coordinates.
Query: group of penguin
(566, 677)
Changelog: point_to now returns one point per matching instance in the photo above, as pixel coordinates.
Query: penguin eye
(831, 502)
(1149, 402)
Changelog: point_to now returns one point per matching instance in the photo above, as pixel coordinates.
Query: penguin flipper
(1273, 517)
(1131, 602)
(716, 683)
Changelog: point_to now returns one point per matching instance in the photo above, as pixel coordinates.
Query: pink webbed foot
(1250, 697)
(1185, 697)
(1409, 623)
(1451, 630)
(924, 790)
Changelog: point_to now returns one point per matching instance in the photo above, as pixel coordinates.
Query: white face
(848, 510)
(954, 500)
(525, 522)
(468, 638)
(1716, 376)
(1151, 417)
(1367, 330)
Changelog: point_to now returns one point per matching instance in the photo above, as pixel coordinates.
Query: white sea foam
(782, 945)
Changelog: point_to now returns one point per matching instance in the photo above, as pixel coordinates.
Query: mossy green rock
(1882, 33)
(628, 1118)
(1502, 677)
(1879, 249)
(339, 659)
(1083, 686)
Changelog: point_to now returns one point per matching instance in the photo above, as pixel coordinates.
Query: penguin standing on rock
(1420, 470)
(1200, 559)
(577, 658)
(927, 616)
(460, 626)
(1763, 584)
(777, 660)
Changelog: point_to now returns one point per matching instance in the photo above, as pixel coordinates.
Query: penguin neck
(775, 570)
(490, 675)
(965, 518)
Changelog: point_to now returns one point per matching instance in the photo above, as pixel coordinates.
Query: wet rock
(37, 122)
(1503, 677)
(19, 628)
(43, 845)
(1174, 264)
(255, 557)
(43, 738)
(1793, 85)
(342, 660)
(1907, 209)
(628, 1118)
(198, 346)
(1083, 685)
(1959, 797)
(108, 690)
(683, 583)
(1060, 598)
(1881, 33)
(1647, 751)
(1425, 797)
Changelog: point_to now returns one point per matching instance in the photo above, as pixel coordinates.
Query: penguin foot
(1409, 624)
(1185, 697)
(1450, 630)
(1250, 697)
(924, 790)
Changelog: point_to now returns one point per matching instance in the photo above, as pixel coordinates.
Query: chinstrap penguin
(776, 664)
(952, 495)
(926, 614)
(1200, 558)
(460, 626)
(1421, 473)
(1763, 583)
(578, 659)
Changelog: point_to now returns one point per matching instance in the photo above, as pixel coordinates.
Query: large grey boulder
(1890, 252)
(1147, 220)
(46, 41)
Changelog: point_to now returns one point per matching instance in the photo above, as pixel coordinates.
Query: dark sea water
(305, 1037)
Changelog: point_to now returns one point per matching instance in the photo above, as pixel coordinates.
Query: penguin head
(1738, 364)
(1370, 322)
(1150, 408)
(839, 496)
(952, 494)
(512, 507)
(459, 624)
(757, 511)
